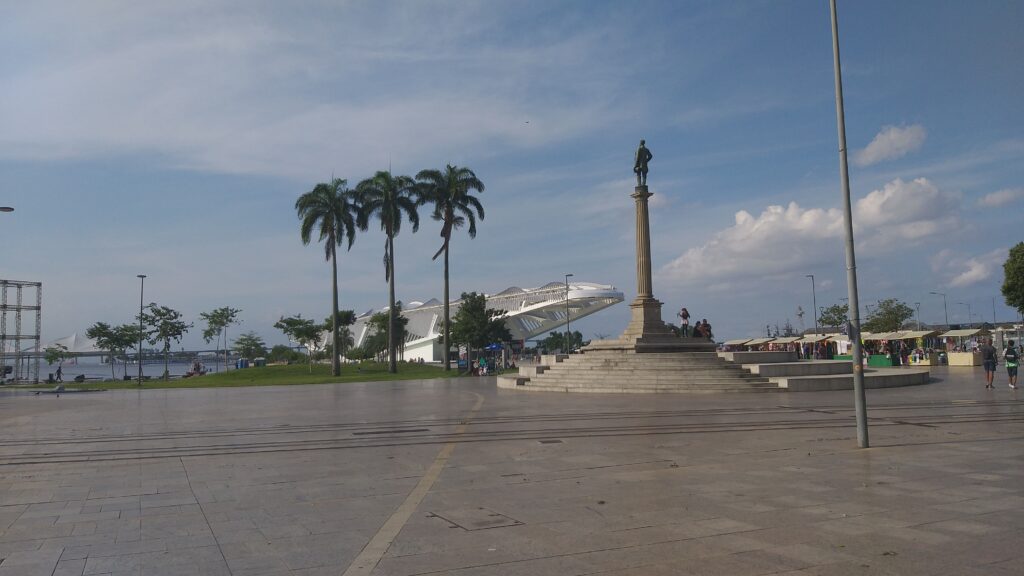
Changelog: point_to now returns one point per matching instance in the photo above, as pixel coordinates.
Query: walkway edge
(372, 553)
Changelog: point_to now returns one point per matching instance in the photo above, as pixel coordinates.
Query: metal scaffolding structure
(19, 351)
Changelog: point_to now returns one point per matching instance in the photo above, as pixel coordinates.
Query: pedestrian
(1011, 356)
(684, 322)
(988, 359)
(60, 371)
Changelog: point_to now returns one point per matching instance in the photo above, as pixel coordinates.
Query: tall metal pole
(814, 296)
(945, 308)
(918, 306)
(860, 400)
(568, 334)
(970, 324)
(142, 287)
(993, 311)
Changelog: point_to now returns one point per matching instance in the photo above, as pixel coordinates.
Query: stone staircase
(653, 372)
(617, 371)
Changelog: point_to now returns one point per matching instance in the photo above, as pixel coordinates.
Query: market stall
(810, 342)
(734, 345)
(756, 343)
(964, 350)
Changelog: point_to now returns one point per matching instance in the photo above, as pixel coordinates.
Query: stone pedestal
(646, 331)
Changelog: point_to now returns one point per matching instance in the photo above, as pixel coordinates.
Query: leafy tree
(449, 192)
(304, 331)
(346, 341)
(342, 319)
(217, 323)
(283, 353)
(126, 336)
(834, 315)
(56, 353)
(359, 353)
(165, 324)
(476, 326)
(381, 336)
(332, 210)
(250, 345)
(107, 340)
(1013, 278)
(556, 341)
(388, 198)
(888, 316)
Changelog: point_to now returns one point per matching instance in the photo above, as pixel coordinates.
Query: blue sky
(172, 139)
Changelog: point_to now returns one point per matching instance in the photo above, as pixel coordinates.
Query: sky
(172, 139)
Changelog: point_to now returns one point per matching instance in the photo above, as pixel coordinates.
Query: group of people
(700, 330)
(990, 357)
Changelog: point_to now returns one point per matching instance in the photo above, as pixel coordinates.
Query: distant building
(529, 312)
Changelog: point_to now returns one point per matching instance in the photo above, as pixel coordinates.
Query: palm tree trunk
(335, 364)
(392, 360)
(113, 365)
(167, 353)
(447, 316)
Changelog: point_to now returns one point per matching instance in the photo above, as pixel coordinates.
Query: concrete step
(597, 372)
(759, 357)
(652, 382)
(801, 368)
(878, 378)
(648, 390)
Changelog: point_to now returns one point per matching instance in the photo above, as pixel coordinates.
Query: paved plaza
(458, 477)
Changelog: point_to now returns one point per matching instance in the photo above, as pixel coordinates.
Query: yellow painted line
(371, 554)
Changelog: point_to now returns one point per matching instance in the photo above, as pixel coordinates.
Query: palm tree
(332, 209)
(387, 198)
(449, 192)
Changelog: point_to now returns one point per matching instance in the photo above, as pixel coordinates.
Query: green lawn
(281, 376)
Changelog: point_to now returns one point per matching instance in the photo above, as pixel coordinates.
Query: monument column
(646, 331)
(644, 287)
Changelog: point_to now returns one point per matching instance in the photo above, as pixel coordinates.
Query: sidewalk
(458, 477)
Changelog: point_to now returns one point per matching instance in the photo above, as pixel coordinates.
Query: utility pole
(860, 399)
(814, 297)
(142, 287)
(568, 334)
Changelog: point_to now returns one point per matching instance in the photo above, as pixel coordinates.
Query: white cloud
(782, 241)
(779, 241)
(891, 143)
(259, 90)
(960, 271)
(907, 210)
(1001, 197)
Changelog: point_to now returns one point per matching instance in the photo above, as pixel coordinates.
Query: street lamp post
(859, 398)
(814, 299)
(918, 306)
(970, 323)
(142, 287)
(568, 334)
(944, 307)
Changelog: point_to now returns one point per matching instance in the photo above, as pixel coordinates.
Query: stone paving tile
(70, 568)
(940, 500)
(30, 563)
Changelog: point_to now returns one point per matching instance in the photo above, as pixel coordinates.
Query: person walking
(1011, 357)
(60, 372)
(988, 359)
